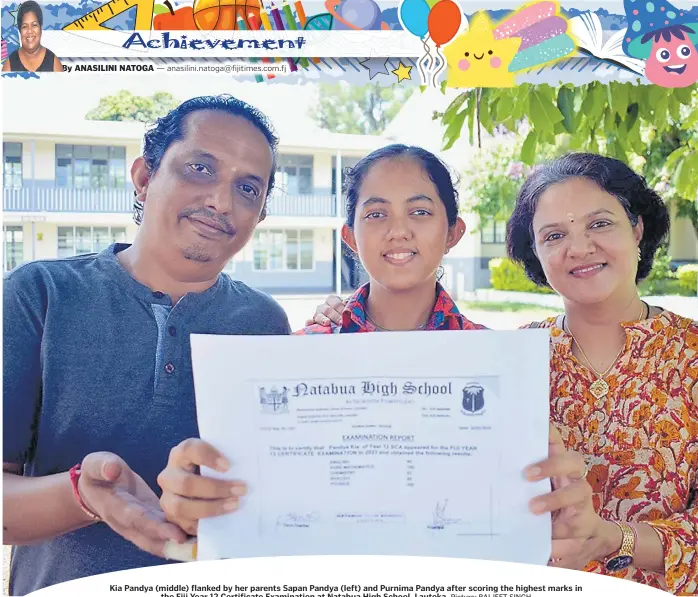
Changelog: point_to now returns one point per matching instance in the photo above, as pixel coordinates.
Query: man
(97, 368)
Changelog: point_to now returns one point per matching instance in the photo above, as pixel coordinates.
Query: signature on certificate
(439, 519)
(293, 519)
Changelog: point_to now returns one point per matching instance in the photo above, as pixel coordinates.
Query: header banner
(461, 45)
(232, 44)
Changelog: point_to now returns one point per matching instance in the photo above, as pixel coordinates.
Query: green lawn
(665, 288)
(506, 307)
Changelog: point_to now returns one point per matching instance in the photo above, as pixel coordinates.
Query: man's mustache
(205, 213)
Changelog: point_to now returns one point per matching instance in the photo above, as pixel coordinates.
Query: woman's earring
(639, 254)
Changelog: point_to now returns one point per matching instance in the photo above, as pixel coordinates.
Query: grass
(507, 307)
(665, 287)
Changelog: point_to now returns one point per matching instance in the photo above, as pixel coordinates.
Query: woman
(31, 56)
(402, 218)
(624, 375)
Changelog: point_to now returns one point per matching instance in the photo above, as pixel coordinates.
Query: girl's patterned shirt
(445, 316)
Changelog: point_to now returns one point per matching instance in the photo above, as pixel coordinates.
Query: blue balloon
(414, 15)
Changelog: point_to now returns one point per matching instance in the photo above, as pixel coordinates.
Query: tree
(495, 177)
(126, 106)
(652, 128)
(364, 110)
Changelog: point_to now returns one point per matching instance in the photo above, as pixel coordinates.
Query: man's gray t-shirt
(95, 361)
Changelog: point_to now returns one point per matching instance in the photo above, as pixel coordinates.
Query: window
(295, 174)
(101, 238)
(493, 232)
(283, 250)
(12, 153)
(80, 240)
(14, 246)
(90, 167)
(268, 250)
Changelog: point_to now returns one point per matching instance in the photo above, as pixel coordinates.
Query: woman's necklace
(382, 329)
(600, 387)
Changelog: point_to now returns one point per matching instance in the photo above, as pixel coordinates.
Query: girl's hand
(186, 495)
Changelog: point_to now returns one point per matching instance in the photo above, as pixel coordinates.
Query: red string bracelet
(74, 477)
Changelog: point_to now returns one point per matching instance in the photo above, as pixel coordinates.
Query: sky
(288, 110)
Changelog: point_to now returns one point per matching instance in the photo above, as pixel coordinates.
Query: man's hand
(188, 497)
(125, 502)
(329, 311)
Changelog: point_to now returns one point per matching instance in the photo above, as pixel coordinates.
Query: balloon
(414, 15)
(431, 3)
(444, 21)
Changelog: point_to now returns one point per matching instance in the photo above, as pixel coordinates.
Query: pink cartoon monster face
(673, 62)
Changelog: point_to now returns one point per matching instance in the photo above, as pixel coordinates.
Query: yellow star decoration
(477, 59)
(403, 72)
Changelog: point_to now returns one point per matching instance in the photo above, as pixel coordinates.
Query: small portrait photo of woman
(31, 56)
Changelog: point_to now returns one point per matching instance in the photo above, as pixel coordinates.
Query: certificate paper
(406, 443)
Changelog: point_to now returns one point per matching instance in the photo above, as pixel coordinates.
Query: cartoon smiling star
(476, 59)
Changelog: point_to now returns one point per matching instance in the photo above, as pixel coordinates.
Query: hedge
(507, 275)
(688, 277)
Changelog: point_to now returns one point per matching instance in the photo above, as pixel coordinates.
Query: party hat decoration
(666, 37)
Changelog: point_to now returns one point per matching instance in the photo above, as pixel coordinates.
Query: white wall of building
(46, 242)
(323, 245)
(322, 171)
(45, 164)
(132, 152)
(683, 244)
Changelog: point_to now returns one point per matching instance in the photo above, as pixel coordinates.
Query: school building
(67, 191)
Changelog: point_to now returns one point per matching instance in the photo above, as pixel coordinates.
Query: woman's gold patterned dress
(641, 439)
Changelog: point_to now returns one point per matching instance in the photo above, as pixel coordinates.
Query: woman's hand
(580, 535)
(329, 311)
(188, 497)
